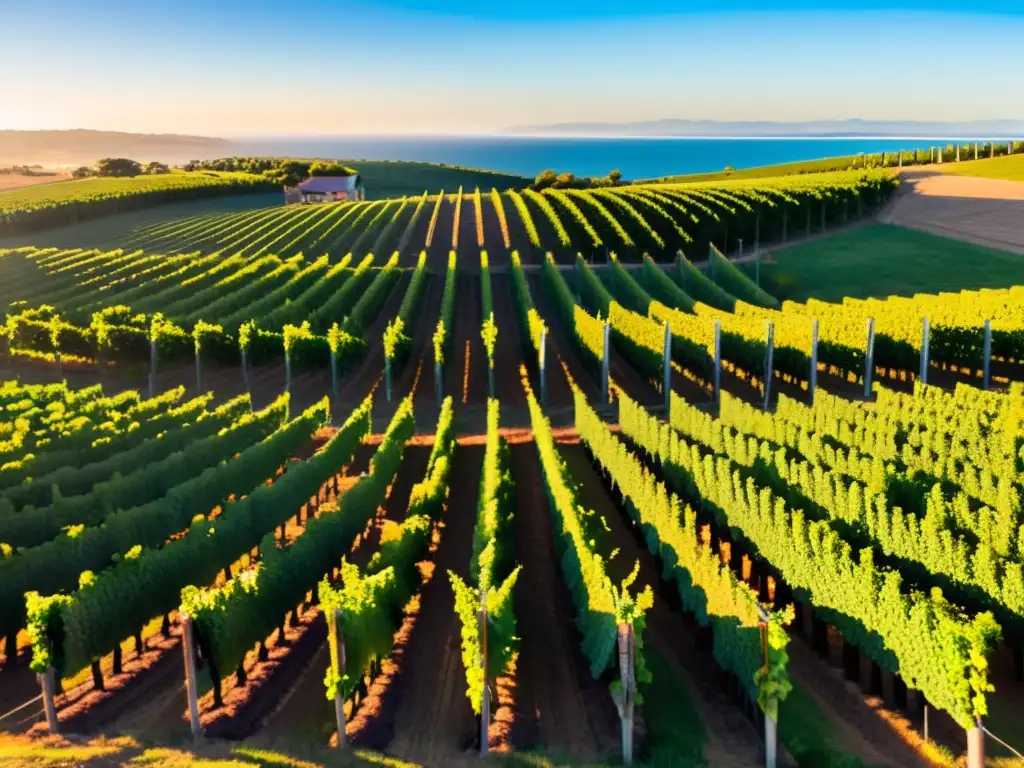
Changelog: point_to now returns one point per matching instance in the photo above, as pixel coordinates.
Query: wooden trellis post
(339, 700)
(976, 746)
(667, 357)
(188, 647)
(869, 357)
(152, 369)
(771, 708)
(245, 370)
(542, 365)
(768, 354)
(718, 361)
(812, 379)
(47, 681)
(987, 355)
(925, 334)
(288, 371)
(606, 352)
(334, 376)
(439, 383)
(485, 700)
(625, 701)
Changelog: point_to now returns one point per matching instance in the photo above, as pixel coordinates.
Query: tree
(118, 167)
(155, 168)
(615, 176)
(565, 181)
(328, 168)
(289, 173)
(83, 172)
(545, 178)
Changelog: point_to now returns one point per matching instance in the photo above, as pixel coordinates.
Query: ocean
(636, 158)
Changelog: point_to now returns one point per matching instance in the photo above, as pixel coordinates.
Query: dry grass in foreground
(101, 752)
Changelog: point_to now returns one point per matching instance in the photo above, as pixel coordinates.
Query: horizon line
(708, 137)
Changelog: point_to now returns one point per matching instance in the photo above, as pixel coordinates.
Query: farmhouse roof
(327, 184)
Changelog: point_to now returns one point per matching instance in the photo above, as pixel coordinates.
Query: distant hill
(83, 147)
(823, 128)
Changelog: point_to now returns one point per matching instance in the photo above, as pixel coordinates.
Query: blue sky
(237, 68)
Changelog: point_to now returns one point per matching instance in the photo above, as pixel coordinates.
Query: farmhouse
(326, 189)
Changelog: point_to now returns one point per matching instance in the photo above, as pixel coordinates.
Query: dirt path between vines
(465, 374)
(18, 686)
(434, 723)
(421, 351)
(861, 730)
(161, 706)
(622, 373)
(304, 712)
(509, 352)
(730, 739)
(441, 242)
(560, 708)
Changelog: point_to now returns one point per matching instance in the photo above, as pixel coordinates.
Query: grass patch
(394, 178)
(1010, 168)
(114, 230)
(1004, 720)
(808, 734)
(884, 260)
(674, 734)
(100, 188)
(824, 165)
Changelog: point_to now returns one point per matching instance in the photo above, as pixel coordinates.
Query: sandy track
(9, 181)
(987, 212)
